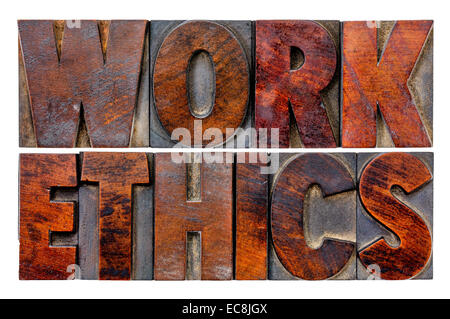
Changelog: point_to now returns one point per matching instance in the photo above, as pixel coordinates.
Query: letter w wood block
(84, 69)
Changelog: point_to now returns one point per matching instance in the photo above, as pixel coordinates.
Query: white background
(11, 287)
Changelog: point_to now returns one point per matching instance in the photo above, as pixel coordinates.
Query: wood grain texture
(175, 216)
(369, 81)
(278, 87)
(115, 173)
(251, 221)
(415, 242)
(171, 78)
(39, 216)
(91, 69)
(287, 223)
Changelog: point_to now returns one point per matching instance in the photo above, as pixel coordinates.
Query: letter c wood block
(230, 90)
(377, 179)
(288, 225)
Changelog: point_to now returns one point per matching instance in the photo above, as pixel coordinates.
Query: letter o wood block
(171, 79)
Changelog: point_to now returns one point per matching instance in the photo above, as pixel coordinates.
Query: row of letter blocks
(281, 83)
(175, 216)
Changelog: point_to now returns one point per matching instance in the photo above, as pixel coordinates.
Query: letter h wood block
(193, 218)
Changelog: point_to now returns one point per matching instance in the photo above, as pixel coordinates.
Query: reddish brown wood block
(116, 173)
(93, 68)
(39, 216)
(251, 220)
(175, 216)
(288, 233)
(278, 86)
(368, 82)
(377, 179)
(174, 100)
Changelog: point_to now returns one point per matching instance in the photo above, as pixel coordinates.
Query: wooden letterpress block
(297, 83)
(387, 88)
(116, 173)
(201, 72)
(252, 192)
(313, 217)
(79, 83)
(40, 217)
(193, 219)
(142, 229)
(395, 215)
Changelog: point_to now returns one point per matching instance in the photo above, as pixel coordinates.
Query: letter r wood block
(387, 88)
(297, 85)
(193, 220)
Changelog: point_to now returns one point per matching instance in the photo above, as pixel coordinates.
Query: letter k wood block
(387, 69)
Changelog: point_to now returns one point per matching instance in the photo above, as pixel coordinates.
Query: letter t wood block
(192, 198)
(115, 173)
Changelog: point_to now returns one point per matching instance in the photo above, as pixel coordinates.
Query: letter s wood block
(80, 82)
(314, 217)
(387, 88)
(297, 85)
(395, 216)
(39, 216)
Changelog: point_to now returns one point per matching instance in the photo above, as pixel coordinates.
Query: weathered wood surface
(201, 71)
(375, 77)
(288, 225)
(39, 217)
(116, 173)
(252, 190)
(175, 216)
(405, 255)
(85, 73)
(281, 85)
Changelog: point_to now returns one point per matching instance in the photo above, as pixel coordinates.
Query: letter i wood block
(387, 75)
(193, 219)
(82, 78)
(395, 216)
(252, 190)
(313, 218)
(297, 83)
(201, 81)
